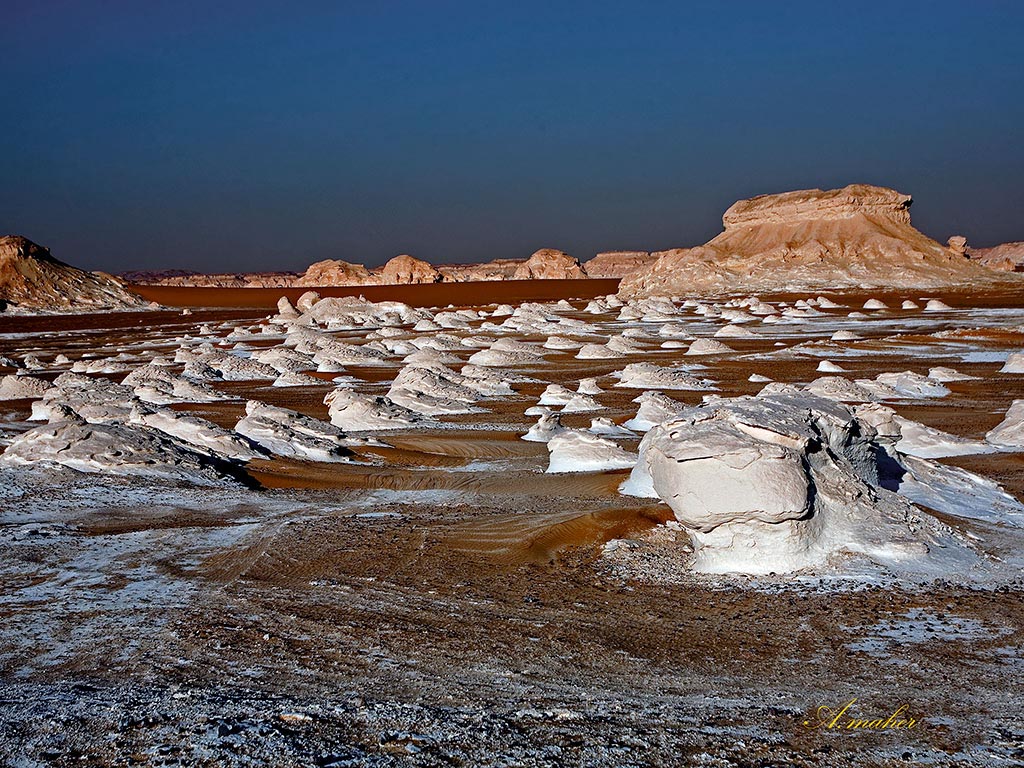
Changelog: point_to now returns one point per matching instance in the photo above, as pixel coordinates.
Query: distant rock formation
(146, 277)
(224, 280)
(549, 264)
(31, 278)
(334, 272)
(618, 263)
(1008, 257)
(857, 236)
(407, 270)
(499, 269)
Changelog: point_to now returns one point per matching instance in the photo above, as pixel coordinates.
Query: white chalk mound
(293, 435)
(577, 451)
(782, 483)
(355, 412)
(116, 449)
(1014, 363)
(1009, 434)
(651, 376)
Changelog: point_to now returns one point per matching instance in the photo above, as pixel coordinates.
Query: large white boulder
(778, 483)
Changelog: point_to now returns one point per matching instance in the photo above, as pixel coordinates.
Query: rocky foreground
(610, 532)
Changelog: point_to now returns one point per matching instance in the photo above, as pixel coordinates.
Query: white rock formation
(916, 439)
(654, 409)
(605, 427)
(708, 347)
(782, 483)
(196, 432)
(293, 435)
(578, 451)
(355, 412)
(548, 425)
(116, 449)
(1014, 363)
(945, 375)
(651, 376)
(1009, 433)
(22, 387)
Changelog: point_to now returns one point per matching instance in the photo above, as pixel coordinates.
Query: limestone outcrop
(1008, 257)
(549, 264)
(618, 263)
(333, 272)
(855, 237)
(407, 270)
(779, 483)
(31, 278)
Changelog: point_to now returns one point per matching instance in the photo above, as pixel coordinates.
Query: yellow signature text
(846, 719)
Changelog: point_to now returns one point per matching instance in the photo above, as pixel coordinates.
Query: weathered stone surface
(1008, 257)
(31, 278)
(618, 263)
(778, 483)
(549, 264)
(333, 272)
(857, 236)
(407, 270)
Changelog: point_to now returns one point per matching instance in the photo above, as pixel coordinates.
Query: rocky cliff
(31, 278)
(857, 236)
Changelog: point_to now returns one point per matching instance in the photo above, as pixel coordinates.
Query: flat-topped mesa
(550, 264)
(818, 205)
(859, 236)
(31, 278)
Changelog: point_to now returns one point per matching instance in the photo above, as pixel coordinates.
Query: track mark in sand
(531, 538)
(469, 445)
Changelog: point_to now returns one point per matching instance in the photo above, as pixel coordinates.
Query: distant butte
(859, 236)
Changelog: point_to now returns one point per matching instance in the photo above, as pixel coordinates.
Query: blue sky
(264, 135)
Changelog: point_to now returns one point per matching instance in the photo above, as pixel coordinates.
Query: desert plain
(534, 521)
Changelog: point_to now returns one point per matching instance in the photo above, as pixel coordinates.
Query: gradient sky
(259, 135)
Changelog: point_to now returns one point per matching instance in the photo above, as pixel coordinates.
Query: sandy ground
(449, 604)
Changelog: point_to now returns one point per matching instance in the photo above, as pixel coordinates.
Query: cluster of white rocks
(784, 480)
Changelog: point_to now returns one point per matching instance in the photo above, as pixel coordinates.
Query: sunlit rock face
(117, 449)
(549, 264)
(31, 278)
(334, 272)
(406, 270)
(777, 484)
(857, 236)
(618, 263)
(1008, 257)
